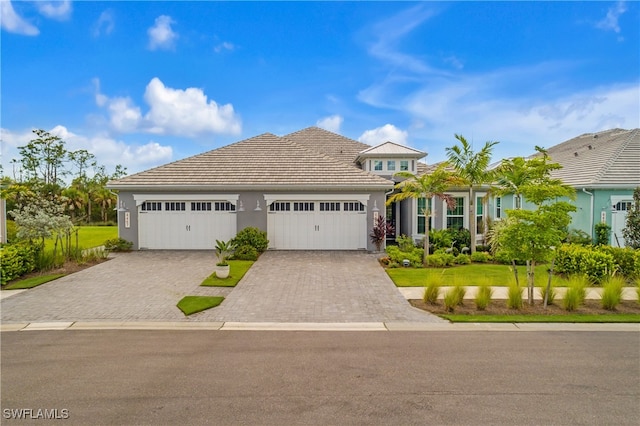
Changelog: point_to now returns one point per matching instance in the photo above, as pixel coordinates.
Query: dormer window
(377, 165)
(391, 165)
(404, 165)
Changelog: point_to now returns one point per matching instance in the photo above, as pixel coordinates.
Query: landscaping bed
(499, 307)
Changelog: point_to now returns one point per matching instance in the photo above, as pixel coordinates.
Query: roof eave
(235, 188)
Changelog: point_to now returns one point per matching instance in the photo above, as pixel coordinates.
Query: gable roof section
(325, 142)
(391, 149)
(609, 159)
(262, 162)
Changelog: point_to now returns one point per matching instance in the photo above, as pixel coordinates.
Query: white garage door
(317, 225)
(185, 225)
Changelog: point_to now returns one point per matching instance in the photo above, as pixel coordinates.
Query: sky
(145, 83)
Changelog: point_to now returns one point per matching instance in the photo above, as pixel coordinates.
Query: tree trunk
(472, 222)
(530, 278)
(546, 295)
(515, 271)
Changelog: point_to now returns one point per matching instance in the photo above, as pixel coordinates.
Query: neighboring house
(306, 189)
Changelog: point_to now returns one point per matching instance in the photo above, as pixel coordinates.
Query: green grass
(237, 271)
(89, 236)
(32, 282)
(575, 318)
(192, 304)
(468, 275)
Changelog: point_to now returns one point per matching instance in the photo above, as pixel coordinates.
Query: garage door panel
(176, 226)
(327, 226)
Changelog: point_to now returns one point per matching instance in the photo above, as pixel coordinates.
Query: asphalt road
(324, 378)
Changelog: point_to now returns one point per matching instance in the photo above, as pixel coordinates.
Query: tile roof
(328, 143)
(393, 149)
(606, 159)
(264, 161)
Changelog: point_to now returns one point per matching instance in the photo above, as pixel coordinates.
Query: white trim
(465, 218)
(270, 198)
(141, 198)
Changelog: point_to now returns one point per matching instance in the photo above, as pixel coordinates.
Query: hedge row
(597, 262)
(16, 260)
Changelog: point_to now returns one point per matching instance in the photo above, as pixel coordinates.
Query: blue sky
(145, 83)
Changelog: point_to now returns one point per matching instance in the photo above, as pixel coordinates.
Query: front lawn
(88, 237)
(468, 275)
(32, 282)
(237, 270)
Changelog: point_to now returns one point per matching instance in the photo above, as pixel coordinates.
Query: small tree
(631, 231)
(531, 235)
(428, 185)
(381, 228)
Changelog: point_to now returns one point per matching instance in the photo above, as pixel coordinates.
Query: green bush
(397, 256)
(576, 292)
(17, 260)
(603, 233)
(12, 231)
(253, 237)
(624, 259)
(452, 298)
(245, 253)
(612, 293)
(483, 297)
(480, 257)
(440, 239)
(405, 243)
(431, 290)
(118, 245)
(574, 259)
(462, 259)
(461, 238)
(578, 236)
(514, 297)
(440, 260)
(502, 257)
(461, 291)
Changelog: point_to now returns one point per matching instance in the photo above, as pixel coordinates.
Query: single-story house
(312, 189)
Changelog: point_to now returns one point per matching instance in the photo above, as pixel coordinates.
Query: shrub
(12, 231)
(440, 239)
(480, 257)
(17, 260)
(612, 293)
(603, 233)
(514, 297)
(576, 292)
(461, 291)
(452, 298)
(405, 243)
(638, 288)
(462, 259)
(253, 237)
(624, 260)
(397, 256)
(578, 236)
(246, 253)
(575, 259)
(440, 260)
(483, 248)
(483, 297)
(431, 290)
(461, 238)
(118, 245)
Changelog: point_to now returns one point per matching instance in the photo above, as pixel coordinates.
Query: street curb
(273, 326)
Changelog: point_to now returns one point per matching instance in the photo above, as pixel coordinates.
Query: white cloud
(104, 24)
(171, 111)
(610, 22)
(109, 152)
(59, 10)
(388, 132)
(331, 123)
(161, 35)
(10, 21)
(225, 45)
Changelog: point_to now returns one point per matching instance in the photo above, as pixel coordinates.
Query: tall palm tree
(471, 168)
(74, 200)
(428, 185)
(104, 198)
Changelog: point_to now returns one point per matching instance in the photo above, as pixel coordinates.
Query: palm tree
(428, 185)
(471, 168)
(74, 200)
(104, 198)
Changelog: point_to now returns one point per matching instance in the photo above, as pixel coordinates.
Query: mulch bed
(499, 307)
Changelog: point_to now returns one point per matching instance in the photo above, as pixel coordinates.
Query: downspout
(590, 212)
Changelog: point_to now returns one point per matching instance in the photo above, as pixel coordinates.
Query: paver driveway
(282, 286)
